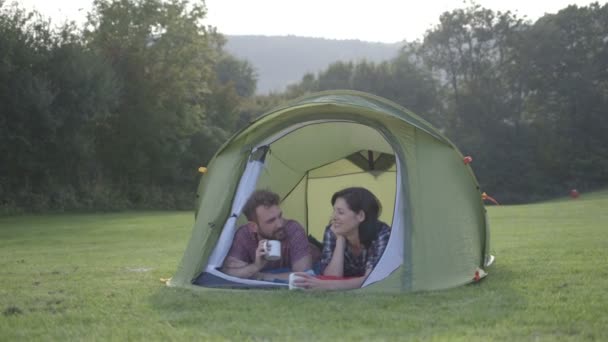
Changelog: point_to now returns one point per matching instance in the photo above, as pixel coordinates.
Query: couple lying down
(352, 243)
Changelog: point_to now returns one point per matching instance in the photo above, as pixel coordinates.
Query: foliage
(165, 62)
(53, 93)
(525, 97)
(81, 277)
(569, 96)
(399, 80)
(118, 115)
(121, 113)
(473, 51)
(526, 100)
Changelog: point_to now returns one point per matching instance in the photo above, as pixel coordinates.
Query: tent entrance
(309, 201)
(305, 165)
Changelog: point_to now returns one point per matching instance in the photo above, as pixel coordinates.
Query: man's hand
(260, 253)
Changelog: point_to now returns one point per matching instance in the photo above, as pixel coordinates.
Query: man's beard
(279, 234)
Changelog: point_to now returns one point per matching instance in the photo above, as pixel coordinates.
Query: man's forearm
(248, 271)
(251, 273)
(273, 276)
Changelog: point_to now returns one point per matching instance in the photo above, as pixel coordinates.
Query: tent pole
(370, 159)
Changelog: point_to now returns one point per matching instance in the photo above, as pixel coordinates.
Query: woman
(352, 244)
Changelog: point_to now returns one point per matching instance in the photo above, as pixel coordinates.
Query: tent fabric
(244, 190)
(321, 143)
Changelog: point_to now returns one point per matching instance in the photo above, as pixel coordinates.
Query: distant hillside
(282, 60)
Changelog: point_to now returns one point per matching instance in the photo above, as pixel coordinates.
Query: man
(246, 258)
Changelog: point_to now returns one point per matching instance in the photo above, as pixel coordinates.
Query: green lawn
(96, 277)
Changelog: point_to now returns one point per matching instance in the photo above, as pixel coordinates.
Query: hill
(282, 60)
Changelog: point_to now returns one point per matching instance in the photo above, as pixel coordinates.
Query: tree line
(118, 114)
(528, 101)
(121, 112)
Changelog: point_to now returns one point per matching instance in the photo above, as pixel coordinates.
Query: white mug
(292, 278)
(273, 250)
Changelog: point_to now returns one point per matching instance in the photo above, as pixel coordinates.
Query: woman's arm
(309, 282)
(336, 264)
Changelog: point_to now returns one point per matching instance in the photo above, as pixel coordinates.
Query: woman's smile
(344, 219)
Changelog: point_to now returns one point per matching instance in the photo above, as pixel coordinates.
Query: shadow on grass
(283, 313)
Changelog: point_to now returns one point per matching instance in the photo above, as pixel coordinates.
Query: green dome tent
(321, 143)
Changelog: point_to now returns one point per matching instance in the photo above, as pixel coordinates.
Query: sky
(387, 21)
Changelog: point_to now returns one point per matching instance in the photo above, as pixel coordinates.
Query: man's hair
(259, 198)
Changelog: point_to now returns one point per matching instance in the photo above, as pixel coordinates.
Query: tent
(318, 144)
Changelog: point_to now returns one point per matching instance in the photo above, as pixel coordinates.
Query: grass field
(96, 277)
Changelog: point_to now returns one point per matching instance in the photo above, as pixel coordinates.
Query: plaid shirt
(293, 247)
(355, 266)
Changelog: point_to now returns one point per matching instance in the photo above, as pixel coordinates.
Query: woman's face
(344, 220)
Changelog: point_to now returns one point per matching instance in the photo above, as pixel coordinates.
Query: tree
(53, 91)
(25, 119)
(567, 104)
(475, 53)
(166, 60)
(180, 94)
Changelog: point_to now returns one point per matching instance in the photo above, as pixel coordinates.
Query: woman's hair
(359, 199)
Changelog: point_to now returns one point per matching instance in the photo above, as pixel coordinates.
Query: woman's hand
(339, 236)
(309, 282)
(333, 229)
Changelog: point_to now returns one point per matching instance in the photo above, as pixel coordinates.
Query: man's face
(270, 223)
